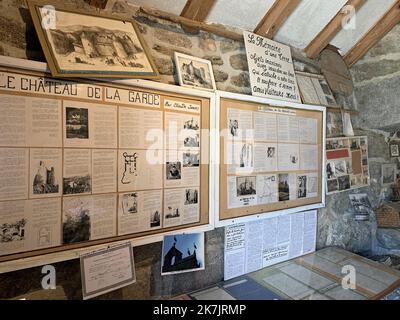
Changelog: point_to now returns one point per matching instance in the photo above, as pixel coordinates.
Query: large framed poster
(87, 163)
(271, 158)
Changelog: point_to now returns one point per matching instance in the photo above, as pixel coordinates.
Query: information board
(86, 163)
(271, 157)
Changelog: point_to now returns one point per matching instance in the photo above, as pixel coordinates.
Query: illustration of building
(173, 260)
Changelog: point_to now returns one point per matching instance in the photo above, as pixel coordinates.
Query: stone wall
(335, 226)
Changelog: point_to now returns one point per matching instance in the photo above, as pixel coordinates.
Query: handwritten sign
(271, 69)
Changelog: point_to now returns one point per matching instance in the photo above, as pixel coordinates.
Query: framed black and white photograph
(86, 45)
(389, 174)
(194, 72)
(394, 150)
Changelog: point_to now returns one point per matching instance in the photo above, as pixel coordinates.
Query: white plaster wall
(171, 6)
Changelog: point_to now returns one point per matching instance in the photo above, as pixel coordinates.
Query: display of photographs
(394, 150)
(194, 72)
(173, 170)
(182, 253)
(191, 159)
(78, 44)
(389, 174)
(245, 186)
(283, 187)
(130, 203)
(191, 196)
(77, 123)
(344, 183)
(333, 185)
(301, 186)
(14, 231)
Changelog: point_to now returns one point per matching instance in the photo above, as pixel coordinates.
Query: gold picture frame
(79, 44)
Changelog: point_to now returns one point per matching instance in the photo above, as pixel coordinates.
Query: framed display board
(271, 158)
(346, 164)
(88, 163)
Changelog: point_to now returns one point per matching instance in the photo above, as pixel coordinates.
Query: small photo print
(344, 183)
(182, 253)
(173, 170)
(245, 186)
(332, 185)
(355, 144)
(388, 174)
(191, 159)
(194, 72)
(301, 187)
(192, 141)
(340, 168)
(283, 187)
(155, 219)
(45, 181)
(13, 231)
(76, 223)
(77, 184)
(172, 212)
(192, 124)
(130, 203)
(271, 152)
(191, 196)
(77, 123)
(234, 127)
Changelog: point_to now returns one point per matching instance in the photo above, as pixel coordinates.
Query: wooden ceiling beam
(276, 17)
(376, 33)
(323, 38)
(197, 10)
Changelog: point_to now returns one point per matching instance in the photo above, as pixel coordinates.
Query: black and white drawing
(45, 181)
(76, 225)
(246, 156)
(245, 186)
(191, 196)
(301, 187)
(80, 44)
(77, 123)
(77, 184)
(191, 159)
(13, 231)
(194, 72)
(130, 203)
(283, 187)
(130, 167)
(173, 170)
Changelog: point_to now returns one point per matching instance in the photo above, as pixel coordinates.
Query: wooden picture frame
(78, 44)
(194, 72)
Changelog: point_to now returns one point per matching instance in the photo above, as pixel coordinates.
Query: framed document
(107, 270)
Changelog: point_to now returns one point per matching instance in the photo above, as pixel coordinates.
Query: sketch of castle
(193, 75)
(90, 44)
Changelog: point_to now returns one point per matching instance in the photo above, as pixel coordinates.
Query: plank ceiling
(304, 24)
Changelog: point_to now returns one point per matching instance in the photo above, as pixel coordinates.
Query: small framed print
(389, 174)
(194, 72)
(394, 150)
(85, 45)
